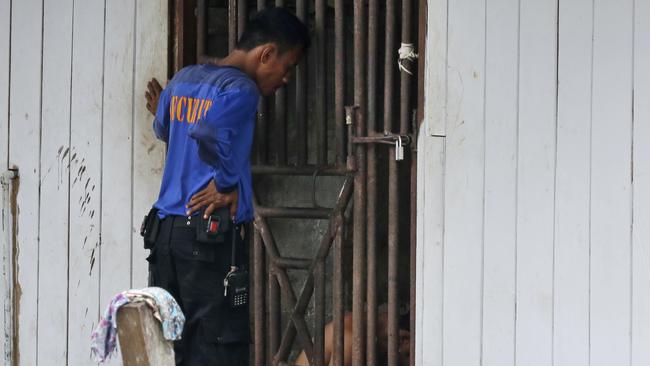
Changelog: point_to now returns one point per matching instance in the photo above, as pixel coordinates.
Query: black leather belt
(185, 221)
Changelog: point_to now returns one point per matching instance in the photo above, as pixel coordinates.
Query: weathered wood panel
(24, 136)
(117, 152)
(571, 279)
(535, 182)
(436, 69)
(611, 192)
(430, 252)
(464, 184)
(67, 111)
(5, 231)
(55, 162)
(5, 47)
(85, 175)
(641, 188)
(7, 182)
(500, 207)
(117, 145)
(148, 153)
(579, 119)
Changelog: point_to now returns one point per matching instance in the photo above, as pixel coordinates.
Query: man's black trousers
(193, 272)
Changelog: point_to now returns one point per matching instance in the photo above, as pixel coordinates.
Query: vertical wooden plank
(464, 179)
(55, 162)
(641, 187)
(85, 174)
(115, 269)
(430, 251)
(435, 69)
(500, 211)
(115, 256)
(5, 49)
(141, 337)
(148, 153)
(535, 191)
(611, 183)
(8, 183)
(24, 122)
(571, 280)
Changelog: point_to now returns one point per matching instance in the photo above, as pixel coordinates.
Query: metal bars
(301, 96)
(279, 136)
(393, 249)
(373, 24)
(258, 298)
(273, 313)
(321, 83)
(360, 195)
(338, 312)
(184, 33)
(232, 23)
(241, 17)
(339, 81)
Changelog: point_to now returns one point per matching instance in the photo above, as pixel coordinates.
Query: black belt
(222, 214)
(185, 221)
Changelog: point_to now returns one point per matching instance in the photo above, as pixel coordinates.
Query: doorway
(334, 175)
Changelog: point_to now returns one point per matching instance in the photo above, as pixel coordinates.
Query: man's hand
(152, 95)
(210, 198)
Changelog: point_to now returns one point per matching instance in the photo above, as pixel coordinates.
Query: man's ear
(267, 51)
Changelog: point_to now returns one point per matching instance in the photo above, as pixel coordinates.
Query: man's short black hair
(274, 25)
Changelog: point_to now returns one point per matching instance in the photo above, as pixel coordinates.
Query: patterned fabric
(103, 340)
(104, 337)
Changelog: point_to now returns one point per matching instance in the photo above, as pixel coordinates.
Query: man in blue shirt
(206, 115)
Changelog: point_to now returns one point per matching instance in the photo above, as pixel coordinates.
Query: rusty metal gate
(349, 112)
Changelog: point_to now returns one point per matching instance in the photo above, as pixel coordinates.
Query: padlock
(399, 149)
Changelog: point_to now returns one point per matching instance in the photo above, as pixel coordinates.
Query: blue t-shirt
(206, 114)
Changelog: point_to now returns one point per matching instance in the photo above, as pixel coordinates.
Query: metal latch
(399, 141)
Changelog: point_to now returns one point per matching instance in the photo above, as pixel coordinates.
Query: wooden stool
(141, 339)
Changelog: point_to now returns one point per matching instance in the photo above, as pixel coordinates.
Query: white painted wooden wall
(534, 184)
(73, 121)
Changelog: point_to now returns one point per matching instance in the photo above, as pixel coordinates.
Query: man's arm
(214, 134)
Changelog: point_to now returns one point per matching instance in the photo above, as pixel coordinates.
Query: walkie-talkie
(235, 285)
